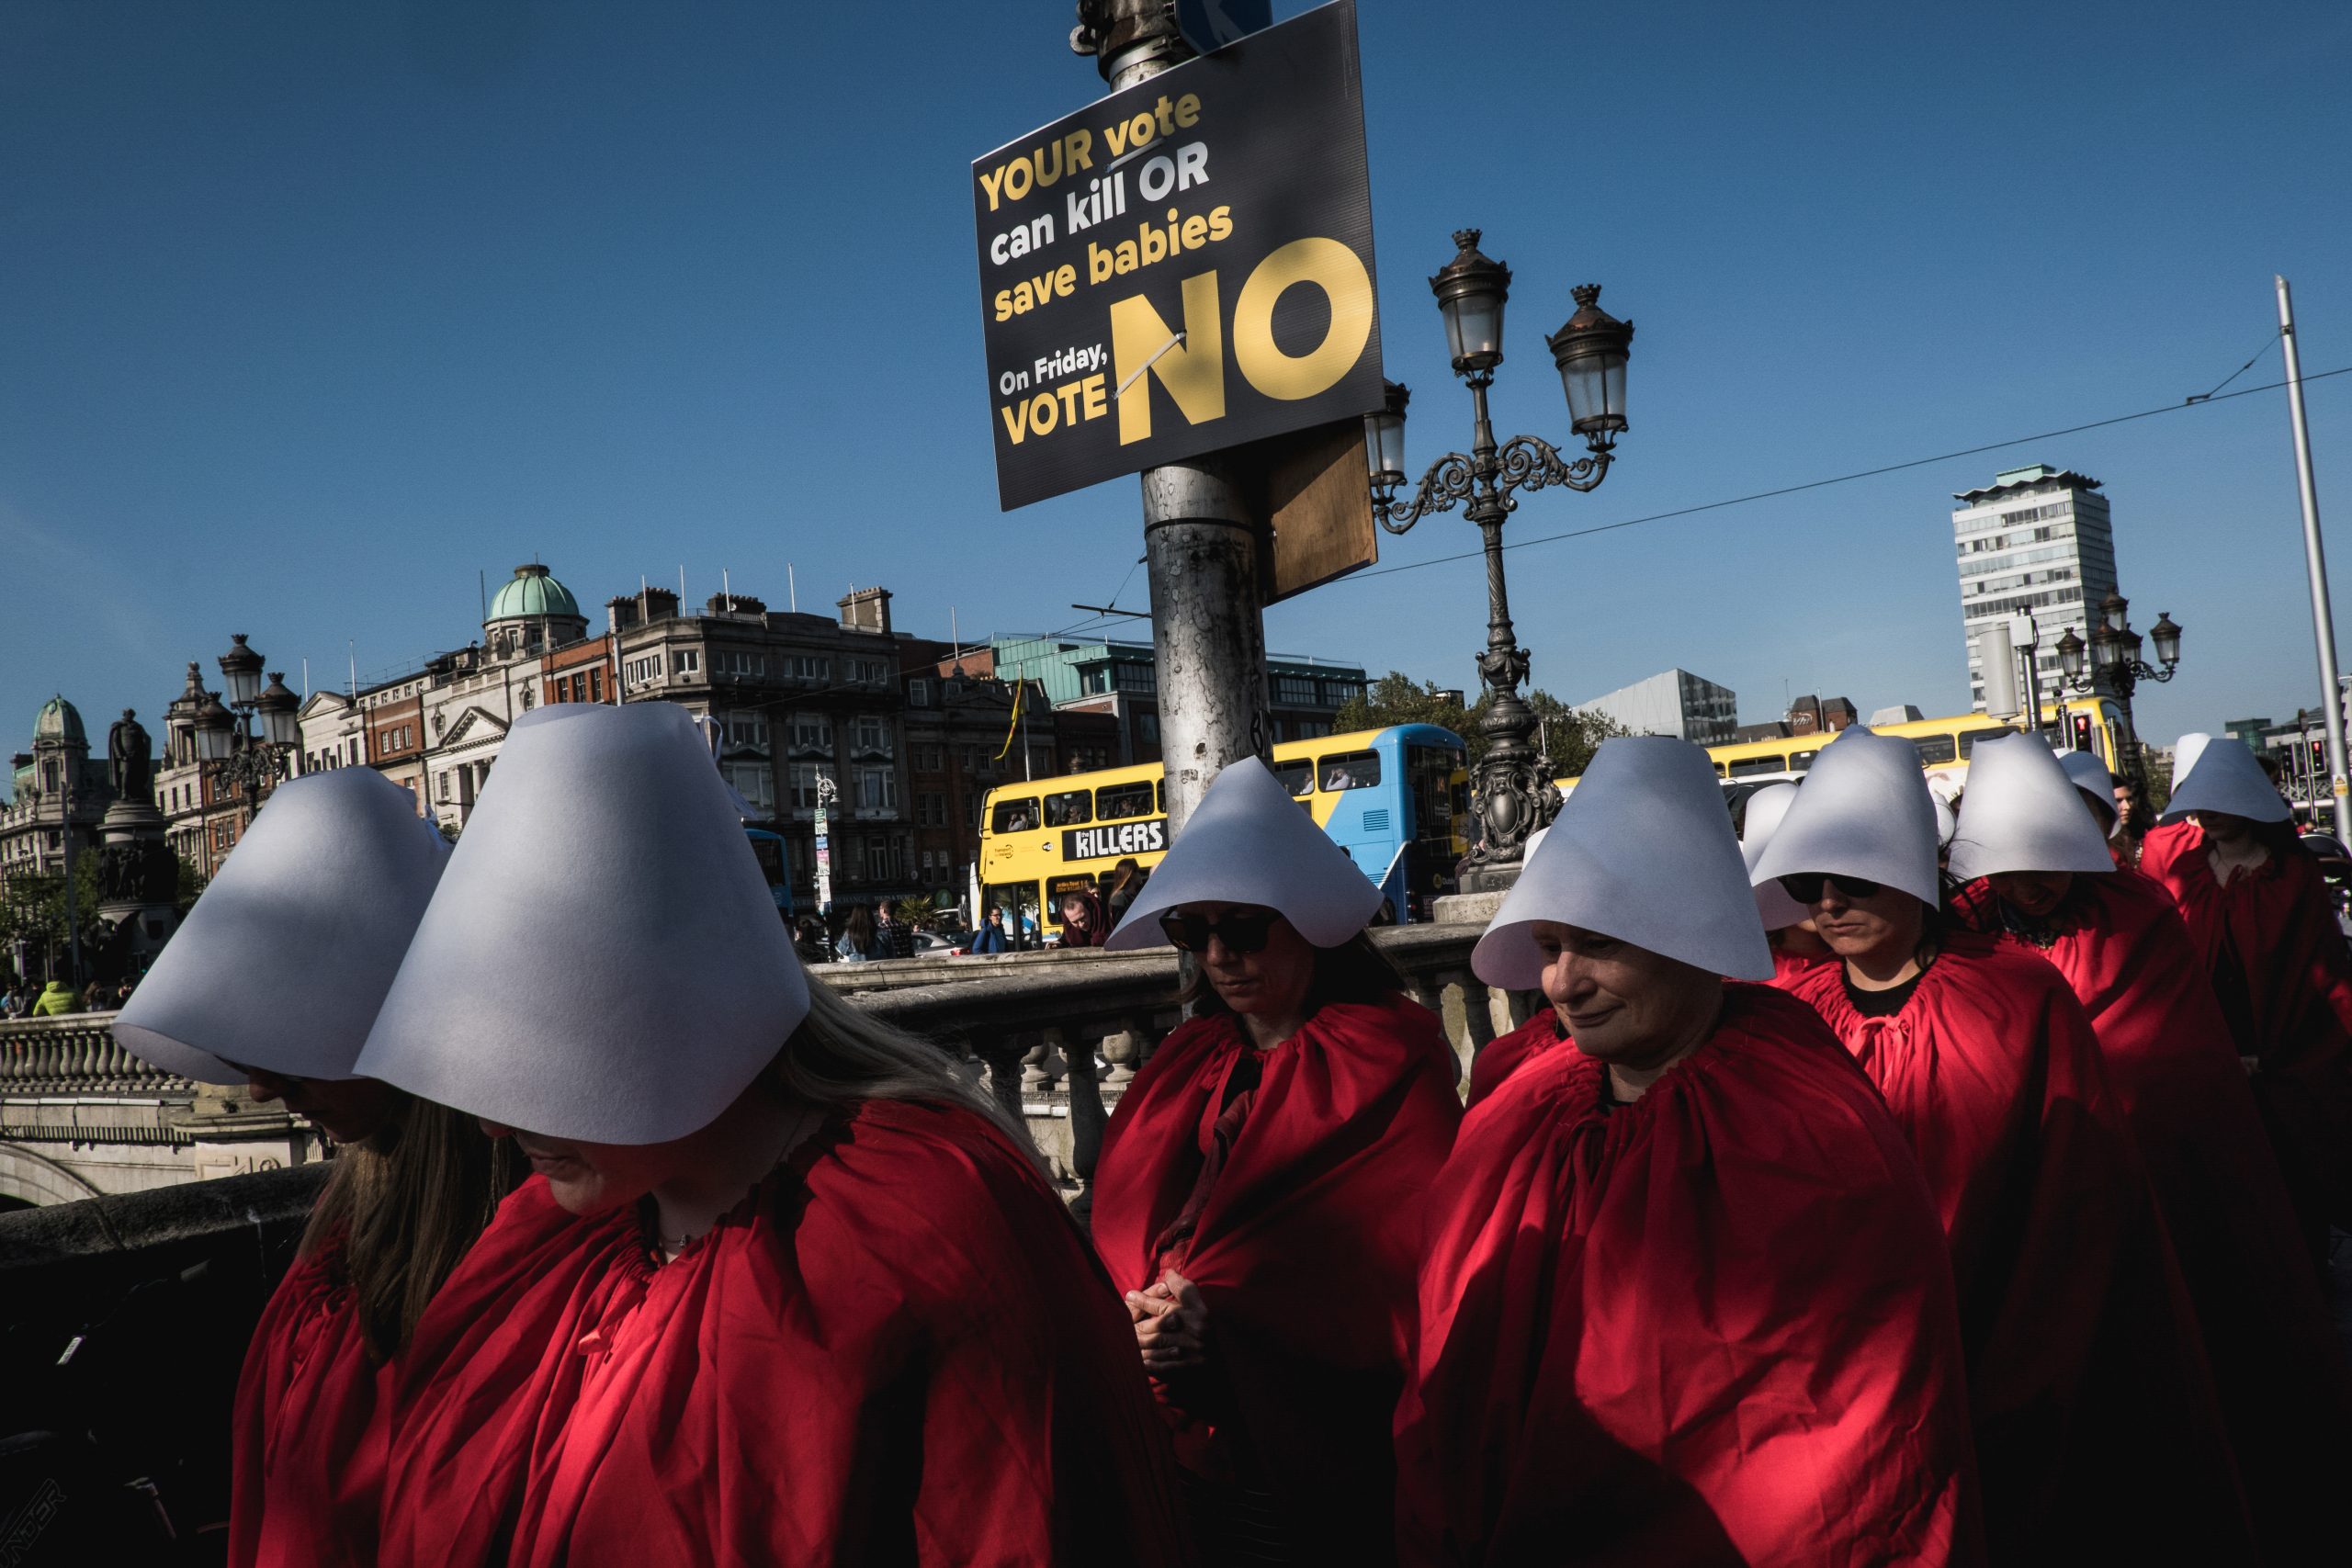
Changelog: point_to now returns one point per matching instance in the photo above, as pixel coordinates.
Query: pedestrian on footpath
(2278, 1366)
(1686, 1299)
(2098, 1437)
(990, 937)
(2258, 910)
(273, 981)
(818, 1303)
(1259, 1193)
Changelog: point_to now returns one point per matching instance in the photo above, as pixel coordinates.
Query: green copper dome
(533, 593)
(58, 721)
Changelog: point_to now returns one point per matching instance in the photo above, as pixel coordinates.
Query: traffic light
(2082, 731)
(2319, 758)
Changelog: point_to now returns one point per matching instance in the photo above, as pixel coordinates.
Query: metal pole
(2316, 558)
(1201, 540)
(73, 915)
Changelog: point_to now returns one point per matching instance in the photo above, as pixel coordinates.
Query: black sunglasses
(1804, 886)
(1240, 932)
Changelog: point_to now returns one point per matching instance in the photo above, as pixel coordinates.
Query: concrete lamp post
(1513, 790)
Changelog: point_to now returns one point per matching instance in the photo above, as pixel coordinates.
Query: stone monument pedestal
(138, 879)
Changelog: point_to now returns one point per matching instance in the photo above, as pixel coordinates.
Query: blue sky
(314, 312)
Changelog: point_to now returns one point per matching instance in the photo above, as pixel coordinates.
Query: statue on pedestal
(129, 758)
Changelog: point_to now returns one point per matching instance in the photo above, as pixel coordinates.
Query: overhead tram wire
(2204, 400)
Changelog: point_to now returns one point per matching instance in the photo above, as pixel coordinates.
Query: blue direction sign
(1213, 24)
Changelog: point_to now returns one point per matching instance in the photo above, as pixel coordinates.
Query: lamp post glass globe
(1470, 292)
(276, 705)
(2166, 635)
(213, 726)
(1590, 349)
(240, 672)
(2117, 610)
(1383, 438)
(2070, 655)
(2106, 647)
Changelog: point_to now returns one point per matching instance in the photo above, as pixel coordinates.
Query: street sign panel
(1181, 267)
(1213, 24)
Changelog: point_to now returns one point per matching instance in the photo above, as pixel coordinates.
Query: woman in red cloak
(273, 981)
(2097, 1431)
(2121, 944)
(2258, 911)
(1259, 1191)
(819, 1305)
(1686, 1300)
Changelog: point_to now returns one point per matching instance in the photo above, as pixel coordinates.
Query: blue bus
(774, 869)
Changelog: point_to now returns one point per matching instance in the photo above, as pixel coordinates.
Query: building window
(687, 661)
(444, 790)
(747, 730)
(931, 810)
(752, 782)
(869, 671)
(639, 672)
(812, 732)
(1148, 729)
(918, 693)
(1136, 676)
(930, 759)
(877, 789)
(807, 667)
(596, 684)
(869, 735)
(1296, 691)
(804, 786)
(881, 860)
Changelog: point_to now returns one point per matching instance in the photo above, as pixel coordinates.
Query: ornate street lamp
(2114, 664)
(243, 746)
(1513, 792)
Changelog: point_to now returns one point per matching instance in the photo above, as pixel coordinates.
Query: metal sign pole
(2316, 558)
(1201, 544)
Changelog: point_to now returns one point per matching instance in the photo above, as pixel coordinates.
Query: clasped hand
(1171, 1324)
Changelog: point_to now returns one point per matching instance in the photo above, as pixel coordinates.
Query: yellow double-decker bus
(1395, 799)
(2081, 724)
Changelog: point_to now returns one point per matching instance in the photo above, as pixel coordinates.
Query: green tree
(190, 886)
(1396, 698)
(32, 910)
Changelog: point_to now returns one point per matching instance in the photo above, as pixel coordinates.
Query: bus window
(1934, 749)
(1800, 761)
(1748, 766)
(1057, 885)
(1297, 776)
(1014, 816)
(1969, 737)
(1349, 770)
(1430, 769)
(1019, 902)
(1070, 809)
(1160, 793)
(1113, 803)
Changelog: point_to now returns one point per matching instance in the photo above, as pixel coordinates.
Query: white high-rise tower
(2037, 539)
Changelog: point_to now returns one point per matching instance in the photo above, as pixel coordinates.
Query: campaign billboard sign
(1148, 837)
(1181, 267)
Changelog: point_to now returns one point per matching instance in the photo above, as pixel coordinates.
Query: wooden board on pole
(1316, 499)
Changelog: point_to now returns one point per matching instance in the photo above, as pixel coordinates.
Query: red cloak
(897, 1350)
(1788, 968)
(2283, 972)
(1712, 1327)
(2277, 1364)
(1306, 1250)
(2097, 1431)
(309, 1456)
(489, 1372)
(1506, 1054)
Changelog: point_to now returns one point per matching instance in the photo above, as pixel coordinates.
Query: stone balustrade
(1056, 1036)
(75, 1054)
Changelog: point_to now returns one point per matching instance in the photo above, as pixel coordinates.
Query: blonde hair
(402, 1209)
(842, 1054)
